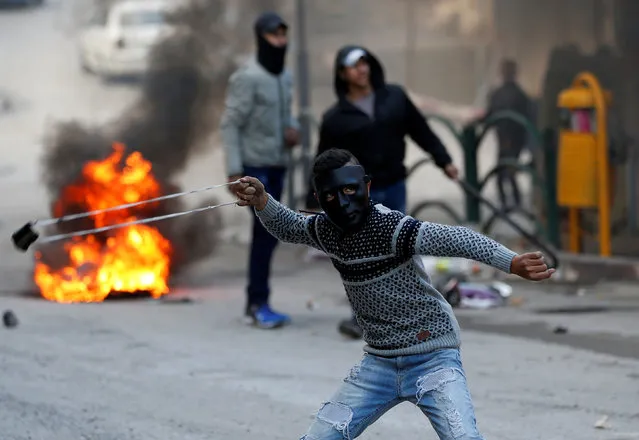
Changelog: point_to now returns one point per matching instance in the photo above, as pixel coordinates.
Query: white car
(118, 41)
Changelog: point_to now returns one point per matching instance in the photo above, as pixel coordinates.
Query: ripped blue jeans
(435, 382)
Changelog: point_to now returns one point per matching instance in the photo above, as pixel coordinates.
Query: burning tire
(132, 259)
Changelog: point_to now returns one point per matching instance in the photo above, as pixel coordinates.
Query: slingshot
(24, 237)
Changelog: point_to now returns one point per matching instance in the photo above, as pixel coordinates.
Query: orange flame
(130, 259)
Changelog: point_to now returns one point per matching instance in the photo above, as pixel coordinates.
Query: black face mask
(272, 58)
(343, 195)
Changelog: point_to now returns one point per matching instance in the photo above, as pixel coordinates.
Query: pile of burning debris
(134, 259)
(84, 170)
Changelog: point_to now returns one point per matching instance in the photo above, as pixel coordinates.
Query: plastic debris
(473, 295)
(505, 290)
(451, 266)
(602, 423)
(481, 296)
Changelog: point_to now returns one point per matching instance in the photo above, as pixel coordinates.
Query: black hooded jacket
(512, 136)
(379, 143)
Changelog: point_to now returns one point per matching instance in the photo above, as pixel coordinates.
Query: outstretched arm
(287, 225)
(425, 238)
(281, 222)
(419, 130)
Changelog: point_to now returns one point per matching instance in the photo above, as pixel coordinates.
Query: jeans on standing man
(392, 196)
(263, 243)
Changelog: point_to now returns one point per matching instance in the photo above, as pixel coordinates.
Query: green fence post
(471, 173)
(550, 170)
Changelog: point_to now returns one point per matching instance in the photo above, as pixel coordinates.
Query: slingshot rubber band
(66, 218)
(52, 238)
(26, 236)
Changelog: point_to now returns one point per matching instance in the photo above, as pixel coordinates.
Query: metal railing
(472, 186)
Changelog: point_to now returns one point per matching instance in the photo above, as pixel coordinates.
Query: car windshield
(143, 18)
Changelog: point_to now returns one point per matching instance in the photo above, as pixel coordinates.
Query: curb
(591, 269)
(583, 269)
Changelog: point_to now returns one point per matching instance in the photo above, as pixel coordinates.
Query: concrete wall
(430, 56)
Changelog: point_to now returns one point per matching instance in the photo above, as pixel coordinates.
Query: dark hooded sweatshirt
(379, 142)
(512, 136)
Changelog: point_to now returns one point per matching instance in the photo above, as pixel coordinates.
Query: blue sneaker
(265, 317)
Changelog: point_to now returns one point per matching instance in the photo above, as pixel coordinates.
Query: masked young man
(258, 129)
(412, 336)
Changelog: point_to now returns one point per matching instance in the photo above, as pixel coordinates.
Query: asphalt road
(155, 370)
(192, 370)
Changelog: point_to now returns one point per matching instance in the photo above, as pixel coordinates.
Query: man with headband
(412, 335)
(372, 119)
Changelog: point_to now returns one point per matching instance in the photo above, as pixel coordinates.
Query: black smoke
(177, 111)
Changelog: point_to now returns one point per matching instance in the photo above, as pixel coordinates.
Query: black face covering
(270, 57)
(343, 195)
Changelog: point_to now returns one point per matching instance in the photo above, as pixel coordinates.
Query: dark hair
(508, 68)
(333, 159)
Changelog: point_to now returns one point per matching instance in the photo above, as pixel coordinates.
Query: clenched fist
(531, 266)
(451, 171)
(250, 192)
(291, 137)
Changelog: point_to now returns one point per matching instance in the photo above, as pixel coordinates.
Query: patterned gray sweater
(400, 312)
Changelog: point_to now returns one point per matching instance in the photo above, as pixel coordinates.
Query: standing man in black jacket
(371, 119)
(511, 136)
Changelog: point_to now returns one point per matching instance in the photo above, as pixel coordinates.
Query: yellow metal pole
(603, 168)
(574, 232)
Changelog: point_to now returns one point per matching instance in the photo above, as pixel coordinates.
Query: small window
(142, 18)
